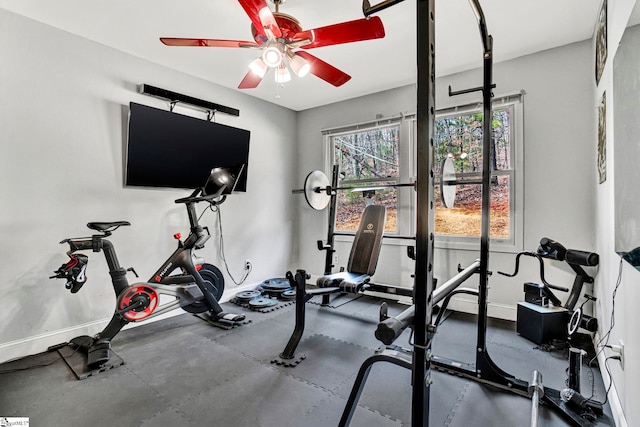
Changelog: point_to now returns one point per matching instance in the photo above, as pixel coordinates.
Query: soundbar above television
(171, 150)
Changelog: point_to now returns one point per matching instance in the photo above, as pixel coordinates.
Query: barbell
(318, 191)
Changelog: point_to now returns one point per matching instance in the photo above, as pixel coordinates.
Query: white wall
(61, 158)
(559, 169)
(626, 385)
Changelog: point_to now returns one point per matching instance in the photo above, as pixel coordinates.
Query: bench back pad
(365, 250)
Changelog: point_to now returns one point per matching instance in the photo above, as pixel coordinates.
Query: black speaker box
(542, 324)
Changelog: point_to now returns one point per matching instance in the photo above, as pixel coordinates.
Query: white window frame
(404, 226)
(406, 220)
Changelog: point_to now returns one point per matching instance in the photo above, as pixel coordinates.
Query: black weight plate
(213, 274)
(262, 302)
(246, 296)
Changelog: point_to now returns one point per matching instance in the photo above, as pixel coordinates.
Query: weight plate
(211, 273)
(288, 294)
(246, 296)
(262, 302)
(315, 190)
(278, 284)
(447, 191)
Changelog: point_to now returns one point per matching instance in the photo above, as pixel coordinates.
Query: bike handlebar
(196, 197)
(542, 278)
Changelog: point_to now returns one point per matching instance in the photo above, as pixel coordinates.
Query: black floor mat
(182, 371)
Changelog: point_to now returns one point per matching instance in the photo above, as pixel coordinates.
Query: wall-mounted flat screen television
(167, 149)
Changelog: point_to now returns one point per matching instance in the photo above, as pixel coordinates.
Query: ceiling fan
(279, 36)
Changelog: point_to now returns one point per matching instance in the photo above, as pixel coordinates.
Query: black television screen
(167, 149)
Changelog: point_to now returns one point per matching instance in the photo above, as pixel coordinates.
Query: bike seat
(106, 226)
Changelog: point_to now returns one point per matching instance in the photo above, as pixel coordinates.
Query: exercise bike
(192, 284)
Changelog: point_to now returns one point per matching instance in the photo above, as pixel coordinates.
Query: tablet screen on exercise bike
(223, 180)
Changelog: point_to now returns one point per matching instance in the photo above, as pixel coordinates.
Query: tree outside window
(366, 159)
(459, 137)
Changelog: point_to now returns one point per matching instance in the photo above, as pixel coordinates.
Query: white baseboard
(41, 342)
(617, 410)
(497, 311)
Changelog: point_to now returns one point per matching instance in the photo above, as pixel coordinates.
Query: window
(458, 135)
(376, 154)
(368, 159)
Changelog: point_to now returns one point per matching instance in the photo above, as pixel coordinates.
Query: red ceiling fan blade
(261, 16)
(345, 32)
(173, 41)
(250, 81)
(325, 71)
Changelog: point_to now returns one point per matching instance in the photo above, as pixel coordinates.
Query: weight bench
(363, 260)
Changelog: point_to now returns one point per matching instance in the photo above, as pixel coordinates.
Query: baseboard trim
(41, 342)
(497, 311)
(615, 404)
(38, 343)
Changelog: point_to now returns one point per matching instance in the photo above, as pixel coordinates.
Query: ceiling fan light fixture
(258, 67)
(282, 74)
(272, 56)
(299, 65)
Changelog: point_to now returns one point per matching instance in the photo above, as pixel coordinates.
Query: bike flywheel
(142, 300)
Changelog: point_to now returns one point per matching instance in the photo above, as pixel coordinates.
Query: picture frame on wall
(602, 139)
(601, 41)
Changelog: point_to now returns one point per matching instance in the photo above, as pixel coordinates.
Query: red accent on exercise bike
(198, 267)
(158, 278)
(177, 236)
(138, 293)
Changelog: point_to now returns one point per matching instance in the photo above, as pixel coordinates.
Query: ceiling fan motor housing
(289, 26)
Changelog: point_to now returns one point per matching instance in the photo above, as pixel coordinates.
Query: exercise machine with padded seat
(184, 279)
(363, 260)
(363, 257)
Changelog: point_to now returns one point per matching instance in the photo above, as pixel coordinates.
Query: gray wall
(558, 167)
(62, 133)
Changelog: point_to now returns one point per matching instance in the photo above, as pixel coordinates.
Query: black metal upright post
(485, 231)
(328, 257)
(328, 260)
(423, 286)
(485, 366)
